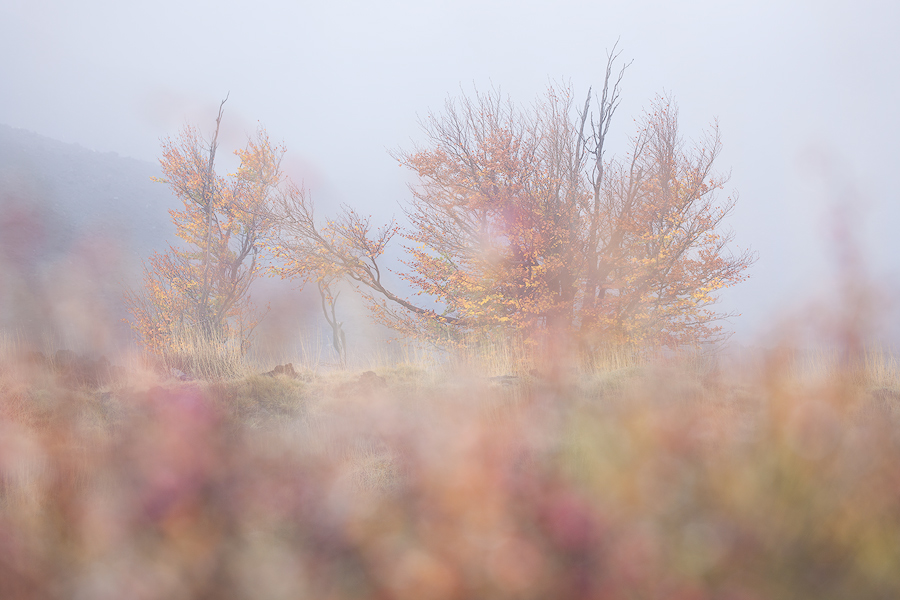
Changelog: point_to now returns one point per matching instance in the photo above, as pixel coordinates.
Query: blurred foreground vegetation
(767, 476)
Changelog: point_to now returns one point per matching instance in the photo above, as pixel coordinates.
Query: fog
(805, 93)
(544, 465)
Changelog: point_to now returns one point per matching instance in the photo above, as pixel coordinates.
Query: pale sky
(806, 93)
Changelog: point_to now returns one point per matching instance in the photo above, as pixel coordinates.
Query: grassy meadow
(481, 475)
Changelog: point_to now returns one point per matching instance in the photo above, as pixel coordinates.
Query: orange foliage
(203, 286)
(519, 222)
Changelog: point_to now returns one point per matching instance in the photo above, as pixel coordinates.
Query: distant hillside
(74, 227)
(87, 189)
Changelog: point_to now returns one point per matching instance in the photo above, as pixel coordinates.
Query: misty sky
(806, 93)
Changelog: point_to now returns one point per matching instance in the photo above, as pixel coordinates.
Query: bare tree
(338, 340)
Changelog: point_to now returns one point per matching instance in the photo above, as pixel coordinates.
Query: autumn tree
(520, 221)
(202, 287)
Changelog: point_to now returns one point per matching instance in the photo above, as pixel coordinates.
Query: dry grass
(633, 477)
(196, 355)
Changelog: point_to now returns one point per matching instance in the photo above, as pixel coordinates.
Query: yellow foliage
(224, 225)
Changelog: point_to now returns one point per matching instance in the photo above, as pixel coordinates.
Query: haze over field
(804, 93)
(558, 418)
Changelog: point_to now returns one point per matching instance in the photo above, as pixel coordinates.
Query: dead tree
(337, 331)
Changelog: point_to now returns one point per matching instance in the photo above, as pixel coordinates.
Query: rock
(367, 383)
(371, 381)
(286, 370)
(180, 375)
(504, 379)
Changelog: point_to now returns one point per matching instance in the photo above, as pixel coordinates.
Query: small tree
(202, 288)
(329, 303)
